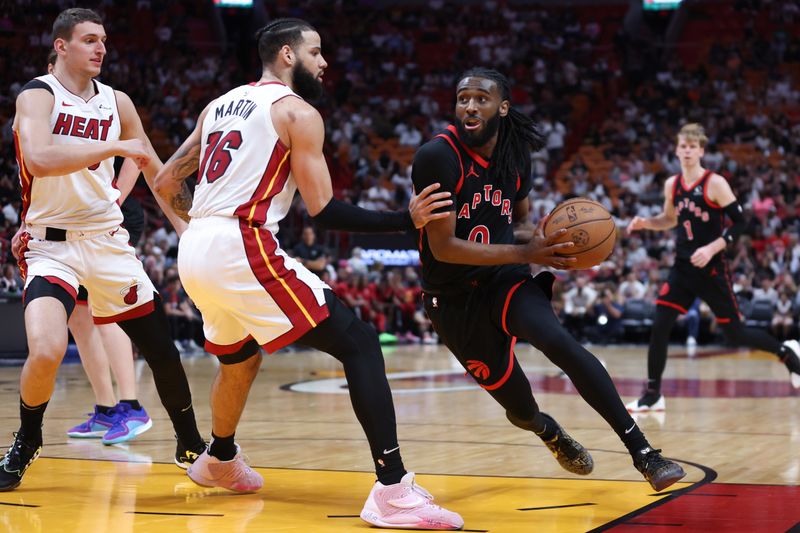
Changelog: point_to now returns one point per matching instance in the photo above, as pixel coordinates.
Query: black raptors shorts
(472, 325)
(710, 283)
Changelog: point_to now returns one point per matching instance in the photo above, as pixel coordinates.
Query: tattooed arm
(170, 182)
(132, 128)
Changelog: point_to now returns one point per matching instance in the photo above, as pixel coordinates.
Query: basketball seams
(584, 255)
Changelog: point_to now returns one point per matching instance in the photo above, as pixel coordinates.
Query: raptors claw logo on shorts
(478, 369)
(130, 294)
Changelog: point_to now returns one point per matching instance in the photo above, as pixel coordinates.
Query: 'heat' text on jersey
(76, 126)
(489, 195)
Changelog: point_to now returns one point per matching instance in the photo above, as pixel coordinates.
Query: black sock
(186, 428)
(104, 409)
(389, 467)
(31, 420)
(546, 426)
(654, 385)
(135, 405)
(223, 448)
(633, 439)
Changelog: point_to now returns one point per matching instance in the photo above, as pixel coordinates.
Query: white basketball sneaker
(650, 401)
(406, 505)
(791, 359)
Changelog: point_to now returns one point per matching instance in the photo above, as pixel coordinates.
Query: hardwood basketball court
(732, 420)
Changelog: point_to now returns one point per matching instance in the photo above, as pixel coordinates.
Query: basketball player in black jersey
(478, 290)
(696, 202)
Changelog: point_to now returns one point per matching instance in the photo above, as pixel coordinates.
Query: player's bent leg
(530, 316)
(395, 500)
(223, 464)
(150, 333)
(569, 453)
(47, 308)
(788, 351)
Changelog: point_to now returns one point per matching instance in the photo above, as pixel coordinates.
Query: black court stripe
(709, 475)
(556, 506)
(19, 504)
(172, 514)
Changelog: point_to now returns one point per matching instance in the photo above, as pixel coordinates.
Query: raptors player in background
(696, 202)
(254, 147)
(68, 128)
(477, 284)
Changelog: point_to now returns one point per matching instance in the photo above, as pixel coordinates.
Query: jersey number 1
(687, 225)
(219, 149)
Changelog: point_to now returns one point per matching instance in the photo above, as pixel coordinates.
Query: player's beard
(481, 137)
(305, 84)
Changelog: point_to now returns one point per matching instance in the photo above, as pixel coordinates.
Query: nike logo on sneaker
(386, 452)
(630, 428)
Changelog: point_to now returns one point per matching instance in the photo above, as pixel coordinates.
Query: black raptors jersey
(483, 208)
(700, 221)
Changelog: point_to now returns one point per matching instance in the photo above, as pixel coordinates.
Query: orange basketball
(589, 225)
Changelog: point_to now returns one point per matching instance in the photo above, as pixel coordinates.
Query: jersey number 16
(218, 153)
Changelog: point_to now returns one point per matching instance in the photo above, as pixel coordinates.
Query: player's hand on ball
(423, 206)
(544, 250)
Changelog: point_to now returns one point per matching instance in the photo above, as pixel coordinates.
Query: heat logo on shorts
(130, 294)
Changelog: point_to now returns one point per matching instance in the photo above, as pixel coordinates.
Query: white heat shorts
(102, 261)
(246, 287)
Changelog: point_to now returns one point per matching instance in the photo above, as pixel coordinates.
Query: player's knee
(47, 353)
(734, 333)
(248, 355)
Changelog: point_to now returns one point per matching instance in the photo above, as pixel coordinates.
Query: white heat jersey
(244, 167)
(84, 200)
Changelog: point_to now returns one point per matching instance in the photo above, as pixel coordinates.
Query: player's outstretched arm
(667, 219)
(132, 129)
(302, 126)
(43, 158)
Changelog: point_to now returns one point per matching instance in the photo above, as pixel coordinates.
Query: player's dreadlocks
(518, 133)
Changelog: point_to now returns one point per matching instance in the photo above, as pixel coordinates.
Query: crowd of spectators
(390, 85)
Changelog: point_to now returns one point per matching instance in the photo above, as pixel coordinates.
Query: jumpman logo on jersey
(472, 171)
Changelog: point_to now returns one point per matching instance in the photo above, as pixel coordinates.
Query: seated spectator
(309, 253)
(10, 282)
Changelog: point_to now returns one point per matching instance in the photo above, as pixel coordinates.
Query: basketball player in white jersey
(254, 147)
(67, 130)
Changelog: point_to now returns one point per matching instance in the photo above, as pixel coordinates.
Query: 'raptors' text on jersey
(84, 200)
(700, 220)
(484, 207)
(244, 167)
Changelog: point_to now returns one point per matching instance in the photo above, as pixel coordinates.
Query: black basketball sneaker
(658, 471)
(185, 457)
(569, 453)
(16, 461)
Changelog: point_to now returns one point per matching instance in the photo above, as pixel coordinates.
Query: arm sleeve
(437, 162)
(338, 215)
(732, 233)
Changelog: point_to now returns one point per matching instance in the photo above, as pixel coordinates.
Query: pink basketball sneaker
(407, 505)
(235, 474)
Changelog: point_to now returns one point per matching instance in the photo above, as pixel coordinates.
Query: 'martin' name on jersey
(242, 108)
